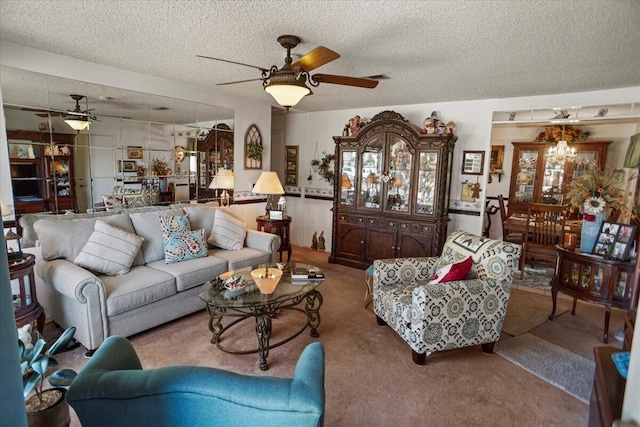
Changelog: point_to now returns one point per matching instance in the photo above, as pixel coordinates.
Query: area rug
(526, 310)
(566, 370)
(538, 277)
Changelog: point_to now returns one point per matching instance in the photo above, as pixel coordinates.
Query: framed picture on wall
(497, 157)
(291, 179)
(127, 166)
(472, 162)
(134, 152)
(292, 152)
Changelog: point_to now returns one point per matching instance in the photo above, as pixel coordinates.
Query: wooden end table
(26, 305)
(279, 227)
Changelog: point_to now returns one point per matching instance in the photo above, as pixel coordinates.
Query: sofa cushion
(200, 217)
(147, 225)
(184, 246)
(67, 238)
(245, 257)
(109, 250)
(194, 272)
(228, 232)
(141, 286)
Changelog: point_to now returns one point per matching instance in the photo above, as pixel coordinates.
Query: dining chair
(506, 235)
(545, 230)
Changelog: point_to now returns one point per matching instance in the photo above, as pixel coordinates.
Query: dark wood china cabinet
(214, 152)
(391, 192)
(536, 178)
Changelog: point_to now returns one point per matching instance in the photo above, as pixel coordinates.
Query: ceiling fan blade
(239, 81)
(344, 80)
(316, 58)
(232, 62)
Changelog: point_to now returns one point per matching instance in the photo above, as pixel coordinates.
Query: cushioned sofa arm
(113, 386)
(69, 279)
(266, 242)
(401, 271)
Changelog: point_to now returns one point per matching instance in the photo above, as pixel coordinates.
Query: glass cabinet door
(426, 182)
(526, 175)
(59, 184)
(348, 178)
(371, 169)
(552, 182)
(585, 162)
(399, 183)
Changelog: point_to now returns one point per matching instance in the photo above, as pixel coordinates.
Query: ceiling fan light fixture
(77, 123)
(286, 89)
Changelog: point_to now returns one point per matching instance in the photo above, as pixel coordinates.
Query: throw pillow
(228, 232)
(109, 250)
(174, 224)
(184, 246)
(452, 272)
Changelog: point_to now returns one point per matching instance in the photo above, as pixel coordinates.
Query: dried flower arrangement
(595, 191)
(160, 168)
(562, 133)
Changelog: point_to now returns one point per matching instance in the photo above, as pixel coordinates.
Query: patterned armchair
(434, 317)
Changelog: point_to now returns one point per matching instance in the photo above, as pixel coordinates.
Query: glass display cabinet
(392, 192)
(60, 183)
(539, 179)
(213, 153)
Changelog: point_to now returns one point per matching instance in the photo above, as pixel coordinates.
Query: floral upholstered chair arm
(403, 271)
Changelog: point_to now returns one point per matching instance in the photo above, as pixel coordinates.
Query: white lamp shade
(77, 124)
(4, 208)
(287, 95)
(224, 180)
(268, 183)
(632, 159)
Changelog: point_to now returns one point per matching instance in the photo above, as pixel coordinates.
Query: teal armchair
(113, 389)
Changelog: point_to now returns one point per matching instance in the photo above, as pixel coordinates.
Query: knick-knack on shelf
(321, 242)
(314, 241)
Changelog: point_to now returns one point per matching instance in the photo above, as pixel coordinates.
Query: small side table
(26, 305)
(279, 227)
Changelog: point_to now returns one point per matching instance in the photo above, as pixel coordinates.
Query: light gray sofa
(151, 293)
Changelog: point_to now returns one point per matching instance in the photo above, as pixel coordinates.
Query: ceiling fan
(77, 119)
(288, 84)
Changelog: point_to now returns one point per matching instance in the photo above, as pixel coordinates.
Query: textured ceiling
(432, 50)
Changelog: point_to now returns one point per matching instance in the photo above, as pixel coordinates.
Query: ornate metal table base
(263, 315)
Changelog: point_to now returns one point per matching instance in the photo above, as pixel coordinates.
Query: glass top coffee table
(249, 302)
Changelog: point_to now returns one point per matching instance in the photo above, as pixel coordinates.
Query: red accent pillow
(452, 272)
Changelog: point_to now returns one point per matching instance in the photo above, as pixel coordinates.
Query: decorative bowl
(266, 278)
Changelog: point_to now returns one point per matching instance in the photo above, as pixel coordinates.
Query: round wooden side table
(279, 227)
(25, 304)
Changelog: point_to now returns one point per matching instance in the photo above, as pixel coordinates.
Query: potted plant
(45, 407)
(254, 150)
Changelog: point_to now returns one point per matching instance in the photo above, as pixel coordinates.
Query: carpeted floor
(370, 377)
(526, 310)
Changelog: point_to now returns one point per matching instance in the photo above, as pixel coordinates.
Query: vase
(590, 228)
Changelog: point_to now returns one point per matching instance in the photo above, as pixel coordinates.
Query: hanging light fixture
(561, 152)
(286, 86)
(78, 120)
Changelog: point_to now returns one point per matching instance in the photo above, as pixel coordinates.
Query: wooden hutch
(391, 192)
(537, 179)
(214, 152)
(42, 171)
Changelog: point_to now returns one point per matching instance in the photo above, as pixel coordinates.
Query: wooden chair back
(545, 230)
(506, 236)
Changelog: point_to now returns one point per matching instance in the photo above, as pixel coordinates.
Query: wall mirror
(56, 168)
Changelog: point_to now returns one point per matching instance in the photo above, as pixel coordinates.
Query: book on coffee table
(301, 273)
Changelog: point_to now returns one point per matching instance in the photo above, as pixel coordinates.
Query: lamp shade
(78, 123)
(268, 183)
(632, 159)
(287, 95)
(223, 180)
(4, 208)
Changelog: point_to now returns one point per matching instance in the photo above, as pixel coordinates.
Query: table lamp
(12, 240)
(224, 180)
(269, 184)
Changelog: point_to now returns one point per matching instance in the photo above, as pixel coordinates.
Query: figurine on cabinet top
(433, 124)
(353, 127)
